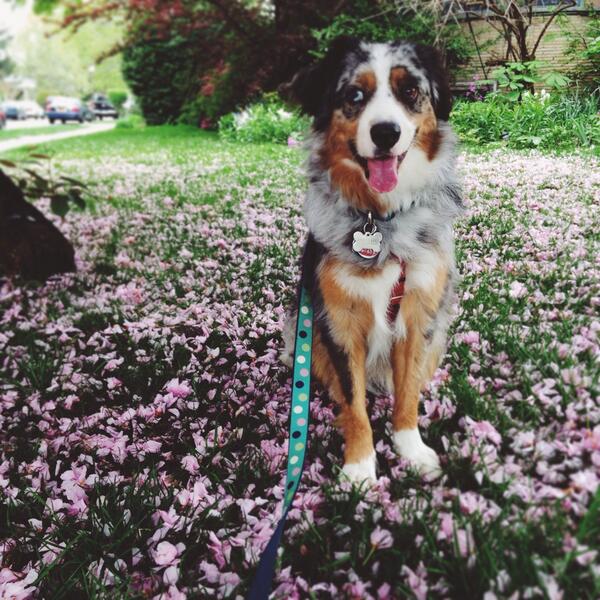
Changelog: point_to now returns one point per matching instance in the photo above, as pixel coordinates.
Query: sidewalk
(29, 140)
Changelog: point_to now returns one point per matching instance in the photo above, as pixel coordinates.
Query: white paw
(363, 470)
(409, 445)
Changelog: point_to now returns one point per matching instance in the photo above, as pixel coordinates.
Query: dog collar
(373, 215)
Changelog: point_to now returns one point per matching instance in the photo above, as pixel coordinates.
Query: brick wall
(552, 49)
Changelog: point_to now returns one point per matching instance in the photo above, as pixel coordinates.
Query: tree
(6, 64)
(238, 48)
(64, 63)
(513, 20)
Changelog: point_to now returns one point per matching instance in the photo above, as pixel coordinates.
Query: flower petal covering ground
(143, 409)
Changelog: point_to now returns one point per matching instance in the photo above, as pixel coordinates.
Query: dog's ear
(434, 65)
(314, 86)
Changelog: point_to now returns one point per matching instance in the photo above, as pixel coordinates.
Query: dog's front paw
(409, 445)
(362, 471)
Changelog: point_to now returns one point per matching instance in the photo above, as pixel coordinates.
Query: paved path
(28, 140)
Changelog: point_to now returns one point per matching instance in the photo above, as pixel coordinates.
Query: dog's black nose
(385, 134)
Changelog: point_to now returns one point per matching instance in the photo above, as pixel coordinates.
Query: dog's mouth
(382, 171)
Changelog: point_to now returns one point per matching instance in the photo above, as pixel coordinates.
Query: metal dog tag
(367, 243)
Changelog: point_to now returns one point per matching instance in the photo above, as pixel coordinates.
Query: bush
(515, 78)
(192, 65)
(131, 122)
(544, 121)
(118, 98)
(222, 90)
(161, 74)
(266, 121)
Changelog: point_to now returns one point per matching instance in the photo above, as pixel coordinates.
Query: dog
(379, 260)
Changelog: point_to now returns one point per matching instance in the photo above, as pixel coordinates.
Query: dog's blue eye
(355, 96)
(411, 93)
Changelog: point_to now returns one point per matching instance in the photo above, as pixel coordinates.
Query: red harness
(397, 293)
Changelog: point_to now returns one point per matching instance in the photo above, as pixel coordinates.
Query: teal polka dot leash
(263, 579)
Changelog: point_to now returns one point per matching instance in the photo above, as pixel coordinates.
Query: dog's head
(374, 104)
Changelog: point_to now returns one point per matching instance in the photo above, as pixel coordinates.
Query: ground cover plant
(550, 122)
(143, 411)
(269, 120)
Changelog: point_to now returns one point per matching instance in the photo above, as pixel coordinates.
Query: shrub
(266, 121)
(222, 90)
(518, 77)
(118, 98)
(549, 122)
(131, 122)
(160, 73)
(201, 60)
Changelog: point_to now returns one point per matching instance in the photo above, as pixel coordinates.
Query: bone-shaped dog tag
(366, 244)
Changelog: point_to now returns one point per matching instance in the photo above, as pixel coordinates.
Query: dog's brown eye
(354, 95)
(411, 93)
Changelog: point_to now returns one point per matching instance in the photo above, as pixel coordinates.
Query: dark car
(2, 119)
(14, 110)
(62, 108)
(102, 107)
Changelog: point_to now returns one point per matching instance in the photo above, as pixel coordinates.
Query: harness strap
(397, 293)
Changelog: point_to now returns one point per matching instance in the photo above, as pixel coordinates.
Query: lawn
(144, 410)
(11, 134)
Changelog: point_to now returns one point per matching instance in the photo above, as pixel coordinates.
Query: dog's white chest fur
(376, 290)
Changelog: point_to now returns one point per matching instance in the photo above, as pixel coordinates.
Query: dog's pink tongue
(383, 173)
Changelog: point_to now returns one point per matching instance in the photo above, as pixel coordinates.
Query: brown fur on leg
(411, 369)
(353, 419)
(339, 361)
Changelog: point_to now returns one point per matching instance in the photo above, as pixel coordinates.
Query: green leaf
(37, 176)
(75, 196)
(74, 181)
(59, 205)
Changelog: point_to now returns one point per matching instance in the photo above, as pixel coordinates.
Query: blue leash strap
(299, 414)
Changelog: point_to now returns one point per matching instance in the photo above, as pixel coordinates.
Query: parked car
(32, 109)
(2, 119)
(102, 107)
(14, 110)
(63, 108)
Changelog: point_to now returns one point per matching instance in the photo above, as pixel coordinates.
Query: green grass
(142, 144)
(203, 157)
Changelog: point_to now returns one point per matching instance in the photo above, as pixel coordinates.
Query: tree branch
(557, 11)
